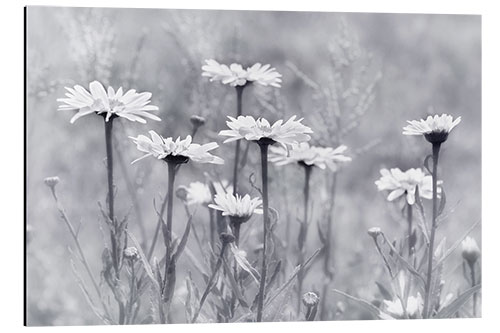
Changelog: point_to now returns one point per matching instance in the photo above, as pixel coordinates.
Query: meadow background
(413, 61)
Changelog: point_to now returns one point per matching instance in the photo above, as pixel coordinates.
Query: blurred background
(389, 68)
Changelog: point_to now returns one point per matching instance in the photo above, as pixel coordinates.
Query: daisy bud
(310, 299)
(227, 238)
(374, 232)
(51, 181)
(470, 250)
(131, 253)
(182, 193)
(197, 121)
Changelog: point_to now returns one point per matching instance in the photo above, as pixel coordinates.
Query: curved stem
(428, 291)
(265, 204)
(239, 111)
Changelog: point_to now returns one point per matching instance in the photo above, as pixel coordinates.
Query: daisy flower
(247, 127)
(435, 128)
(414, 307)
(130, 105)
(235, 75)
(322, 157)
(236, 205)
(198, 193)
(178, 151)
(401, 183)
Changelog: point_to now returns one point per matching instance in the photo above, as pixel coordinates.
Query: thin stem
(328, 248)
(473, 283)
(303, 233)
(410, 229)
(428, 291)
(213, 227)
(108, 133)
(210, 281)
(158, 227)
(265, 200)
(239, 111)
(169, 277)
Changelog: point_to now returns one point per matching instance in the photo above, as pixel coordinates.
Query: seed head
(51, 181)
(310, 299)
(131, 253)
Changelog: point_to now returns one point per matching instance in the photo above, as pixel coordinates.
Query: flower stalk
(239, 111)
(303, 232)
(435, 158)
(409, 216)
(264, 145)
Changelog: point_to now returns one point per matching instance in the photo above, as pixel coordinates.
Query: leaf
(457, 243)
(426, 163)
(442, 202)
(385, 293)
(240, 257)
(184, 239)
(145, 263)
(234, 285)
(452, 308)
(364, 304)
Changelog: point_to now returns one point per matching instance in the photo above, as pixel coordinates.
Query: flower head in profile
(310, 299)
(247, 127)
(235, 75)
(175, 151)
(470, 250)
(129, 105)
(236, 206)
(322, 157)
(400, 183)
(435, 128)
(414, 307)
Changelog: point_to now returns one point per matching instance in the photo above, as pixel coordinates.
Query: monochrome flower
(236, 206)
(322, 157)
(414, 307)
(131, 253)
(130, 105)
(235, 75)
(435, 128)
(247, 127)
(401, 183)
(179, 151)
(470, 250)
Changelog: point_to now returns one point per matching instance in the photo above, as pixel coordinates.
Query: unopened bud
(310, 299)
(227, 238)
(51, 181)
(197, 121)
(374, 232)
(470, 250)
(182, 193)
(131, 253)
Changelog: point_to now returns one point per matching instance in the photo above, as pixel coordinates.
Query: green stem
(428, 291)
(265, 200)
(239, 111)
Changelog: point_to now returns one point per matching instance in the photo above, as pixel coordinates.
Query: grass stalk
(239, 111)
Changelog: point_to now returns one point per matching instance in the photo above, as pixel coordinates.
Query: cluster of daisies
(288, 141)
